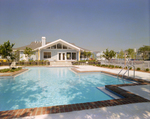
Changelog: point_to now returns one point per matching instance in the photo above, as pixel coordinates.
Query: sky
(91, 24)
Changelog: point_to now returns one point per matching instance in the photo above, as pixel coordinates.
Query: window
(68, 55)
(64, 47)
(53, 47)
(59, 46)
(74, 56)
(47, 54)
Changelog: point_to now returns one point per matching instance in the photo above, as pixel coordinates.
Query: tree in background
(6, 51)
(144, 50)
(131, 53)
(109, 54)
(87, 54)
(17, 54)
(93, 56)
(28, 52)
(121, 55)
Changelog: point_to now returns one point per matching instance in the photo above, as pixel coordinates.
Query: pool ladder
(128, 68)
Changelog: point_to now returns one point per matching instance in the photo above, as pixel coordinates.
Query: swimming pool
(42, 86)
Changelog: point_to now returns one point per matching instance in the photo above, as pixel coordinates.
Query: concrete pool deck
(131, 111)
(87, 68)
(128, 111)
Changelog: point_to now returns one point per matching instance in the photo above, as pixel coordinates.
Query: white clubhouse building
(58, 50)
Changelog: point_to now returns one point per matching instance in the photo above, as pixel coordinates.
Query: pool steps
(103, 89)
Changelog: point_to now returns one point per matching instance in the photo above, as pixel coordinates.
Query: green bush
(116, 66)
(112, 66)
(4, 70)
(11, 70)
(103, 65)
(120, 67)
(82, 61)
(138, 69)
(147, 69)
(130, 68)
(19, 68)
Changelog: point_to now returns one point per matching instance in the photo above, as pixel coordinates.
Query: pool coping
(5, 75)
(129, 98)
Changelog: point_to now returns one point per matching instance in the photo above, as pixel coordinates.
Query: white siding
(54, 53)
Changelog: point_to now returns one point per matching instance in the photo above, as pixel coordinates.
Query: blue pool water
(41, 87)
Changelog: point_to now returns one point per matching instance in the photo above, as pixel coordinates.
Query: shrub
(147, 69)
(112, 66)
(82, 61)
(138, 69)
(130, 68)
(4, 70)
(103, 65)
(11, 70)
(109, 66)
(19, 68)
(120, 67)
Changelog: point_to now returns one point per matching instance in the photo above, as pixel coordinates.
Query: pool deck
(135, 105)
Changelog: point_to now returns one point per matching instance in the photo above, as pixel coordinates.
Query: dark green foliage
(6, 51)
(147, 69)
(138, 69)
(130, 68)
(10, 70)
(112, 66)
(144, 51)
(109, 54)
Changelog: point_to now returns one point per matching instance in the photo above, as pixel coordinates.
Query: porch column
(38, 54)
(79, 55)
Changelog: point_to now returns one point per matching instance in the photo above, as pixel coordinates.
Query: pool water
(42, 86)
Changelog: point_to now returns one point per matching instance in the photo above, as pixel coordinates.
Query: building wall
(54, 53)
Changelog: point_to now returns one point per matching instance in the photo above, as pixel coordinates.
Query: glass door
(62, 56)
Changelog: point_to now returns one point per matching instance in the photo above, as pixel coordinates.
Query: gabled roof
(59, 41)
(38, 45)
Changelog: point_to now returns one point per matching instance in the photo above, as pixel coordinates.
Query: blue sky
(91, 24)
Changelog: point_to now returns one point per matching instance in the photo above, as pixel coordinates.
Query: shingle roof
(34, 45)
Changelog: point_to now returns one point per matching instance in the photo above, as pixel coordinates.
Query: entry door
(62, 56)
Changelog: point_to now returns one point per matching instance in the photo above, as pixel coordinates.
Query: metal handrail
(126, 71)
(128, 67)
(120, 71)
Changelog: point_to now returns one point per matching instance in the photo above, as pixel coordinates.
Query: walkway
(129, 111)
(138, 74)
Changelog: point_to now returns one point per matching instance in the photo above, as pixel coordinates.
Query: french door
(61, 56)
